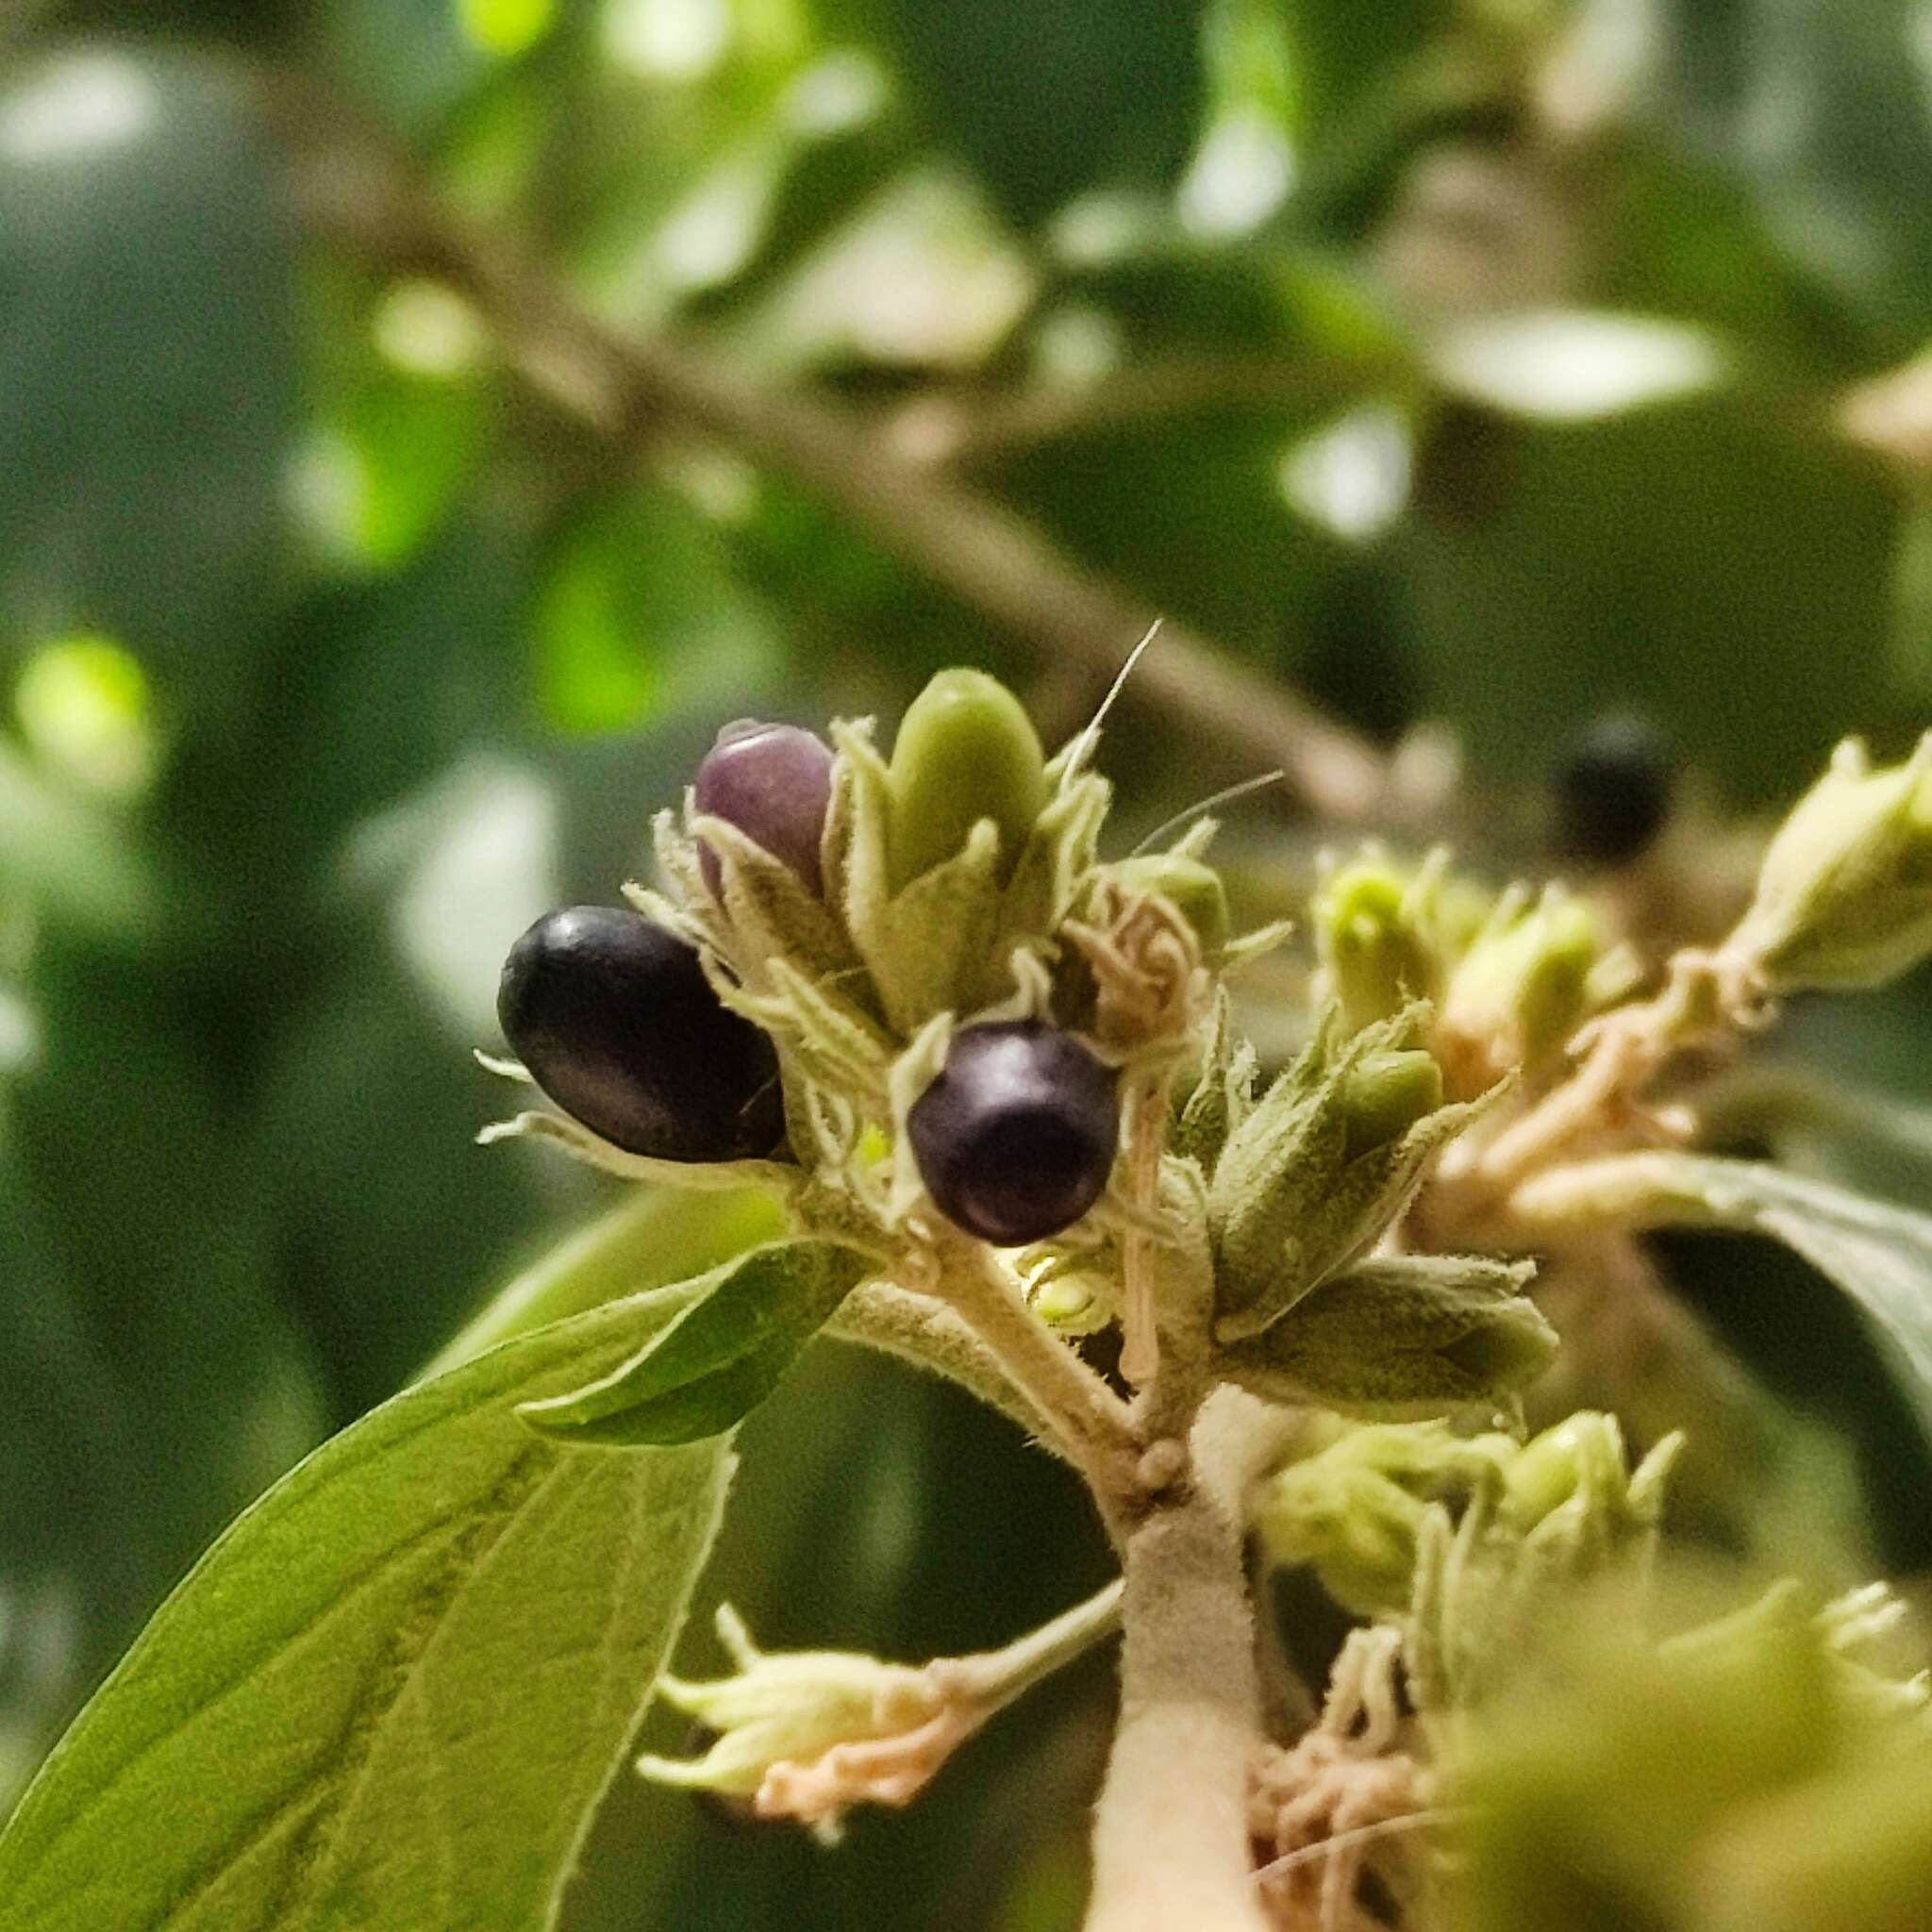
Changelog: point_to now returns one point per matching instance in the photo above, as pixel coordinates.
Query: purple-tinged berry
(615, 1021)
(1016, 1136)
(773, 782)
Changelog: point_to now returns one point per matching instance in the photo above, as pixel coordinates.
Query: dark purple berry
(1016, 1137)
(1612, 791)
(773, 782)
(616, 1021)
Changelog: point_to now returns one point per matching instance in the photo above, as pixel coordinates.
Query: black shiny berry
(773, 782)
(1016, 1136)
(616, 1021)
(1613, 791)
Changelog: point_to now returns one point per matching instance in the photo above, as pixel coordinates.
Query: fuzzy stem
(1171, 1839)
(995, 1679)
(934, 1337)
(1091, 1422)
(1140, 1344)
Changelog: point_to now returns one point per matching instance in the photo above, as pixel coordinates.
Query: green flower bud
(1844, 894)
(1355, 1507)
(1385, 1094)
(1572, 1493)
(1620, 1783)
(1074, 1300)
(966, 751)
(1848, 1851)
(787, 1709)
(1354, 1510)
(1354, 1529)
(1373, 938)
(1316, 1172)
(1544, 1473)
(1193, 888)
(1523, 986)
(1223, 1092)
(1403, 1336)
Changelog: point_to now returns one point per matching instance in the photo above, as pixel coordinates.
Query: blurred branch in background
(974, 424)
(364, 198)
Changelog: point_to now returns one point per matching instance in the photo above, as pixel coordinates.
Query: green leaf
(148, 328)
(393, 1693)
(1879, 1254)
(640, 613)
(1856, 1136)
(1046, 101)
(720, 1358)
(151, 1215)
(399, 452)
(65, 856)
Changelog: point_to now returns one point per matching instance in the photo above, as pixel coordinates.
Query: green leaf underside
(1880, 1254)
(719, 1359)
(393, 1693)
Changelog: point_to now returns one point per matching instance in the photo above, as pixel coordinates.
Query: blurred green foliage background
(424, 422)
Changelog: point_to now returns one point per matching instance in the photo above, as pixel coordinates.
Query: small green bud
(1403, 1336)
(1848, 1851)
(1372, 937)
(1598, 1786)
(966, 751)
(1543, 1475)
(1074, 1301)
(1313, 1178)
(1192, 888)
(1556, 979)
(1461, 909)
(1844, 894)
(786, 1723)
(1572, 1493)
(1222, 1095)
(1354, 1510)
(1385, 1094)
(1523, 986)
(1356, 1530)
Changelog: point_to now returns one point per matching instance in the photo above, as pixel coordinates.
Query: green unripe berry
(1386, 1094)
(966, 751)
(1193, 888)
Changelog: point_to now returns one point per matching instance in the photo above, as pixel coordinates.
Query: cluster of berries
(615, 1019)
